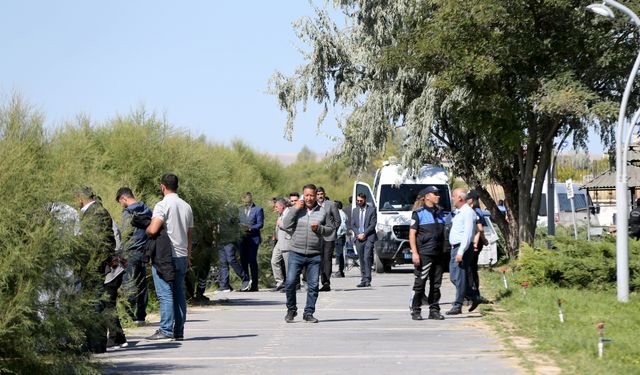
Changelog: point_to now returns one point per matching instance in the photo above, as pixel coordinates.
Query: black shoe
(435, 315)
(178, 338)
(309, 318)
(325, 288)
(253, 289)
(362, 285)
(158, 336)
(278, 288)
(482, 300)
(474, 305)
(454, 311)
(290, 315)
(338, 274)
(416, 315)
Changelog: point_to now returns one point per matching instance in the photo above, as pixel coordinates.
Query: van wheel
(380, 266)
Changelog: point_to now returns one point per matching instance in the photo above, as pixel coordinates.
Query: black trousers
(326, 254)
(108, 324)
(340, 253)
(135, 281)
(430, 269)
(365, 254)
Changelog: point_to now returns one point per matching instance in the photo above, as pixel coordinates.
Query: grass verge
(533, 312)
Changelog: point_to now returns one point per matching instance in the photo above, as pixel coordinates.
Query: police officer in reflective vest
(426, 239)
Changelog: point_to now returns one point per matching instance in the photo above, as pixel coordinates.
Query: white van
(394, 194)
(562, 206)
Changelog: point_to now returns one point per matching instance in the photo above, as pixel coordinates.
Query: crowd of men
(310, 230)
(162, 237)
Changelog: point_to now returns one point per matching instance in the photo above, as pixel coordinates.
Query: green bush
(577, 263)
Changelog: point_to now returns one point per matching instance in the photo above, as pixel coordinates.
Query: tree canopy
(487, 85)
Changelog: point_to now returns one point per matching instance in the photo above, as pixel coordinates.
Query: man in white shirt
(177, 217)
(463, 229)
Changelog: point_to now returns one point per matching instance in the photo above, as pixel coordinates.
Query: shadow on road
(148, 345)
(393, 285)
(144, 368)
(207, 338)
(250, 302)
(347, 320)
(400, 270)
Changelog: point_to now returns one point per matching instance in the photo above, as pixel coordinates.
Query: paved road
(361, 331)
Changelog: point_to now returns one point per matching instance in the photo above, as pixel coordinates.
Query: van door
(362, 187)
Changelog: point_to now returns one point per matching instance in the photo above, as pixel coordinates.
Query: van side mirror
(594, 210)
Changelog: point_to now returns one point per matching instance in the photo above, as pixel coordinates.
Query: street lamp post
(622, 205)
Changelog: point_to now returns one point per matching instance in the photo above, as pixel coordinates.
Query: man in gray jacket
(307, 222)
(334, 220)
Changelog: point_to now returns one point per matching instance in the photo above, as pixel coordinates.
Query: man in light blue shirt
(463, 229)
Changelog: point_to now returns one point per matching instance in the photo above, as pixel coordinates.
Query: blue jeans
(296, 263)
(179, 297)
(227, 255)
(173, 301)
(461, 276)
(164, 292)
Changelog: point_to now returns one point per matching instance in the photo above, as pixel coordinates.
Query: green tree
(486, 84)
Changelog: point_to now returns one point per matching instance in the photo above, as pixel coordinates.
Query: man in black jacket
(634, 221)
(329, 243)
(97, 228)
(134, 245)
(363, 224)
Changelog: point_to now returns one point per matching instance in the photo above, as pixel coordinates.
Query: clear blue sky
(205, 64)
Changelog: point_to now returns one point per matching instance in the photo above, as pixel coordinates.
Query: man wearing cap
(426, 239)
(463, 229)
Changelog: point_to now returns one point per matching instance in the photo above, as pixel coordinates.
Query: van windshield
(579, 201)
(402, 198)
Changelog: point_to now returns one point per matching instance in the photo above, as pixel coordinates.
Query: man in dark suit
(363, 224)
(252, 220)
(329, 243)
(97, 227)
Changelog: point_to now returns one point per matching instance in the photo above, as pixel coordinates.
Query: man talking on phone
(307, 221)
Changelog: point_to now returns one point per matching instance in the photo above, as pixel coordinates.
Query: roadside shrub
(41, 316)
(577, 263)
